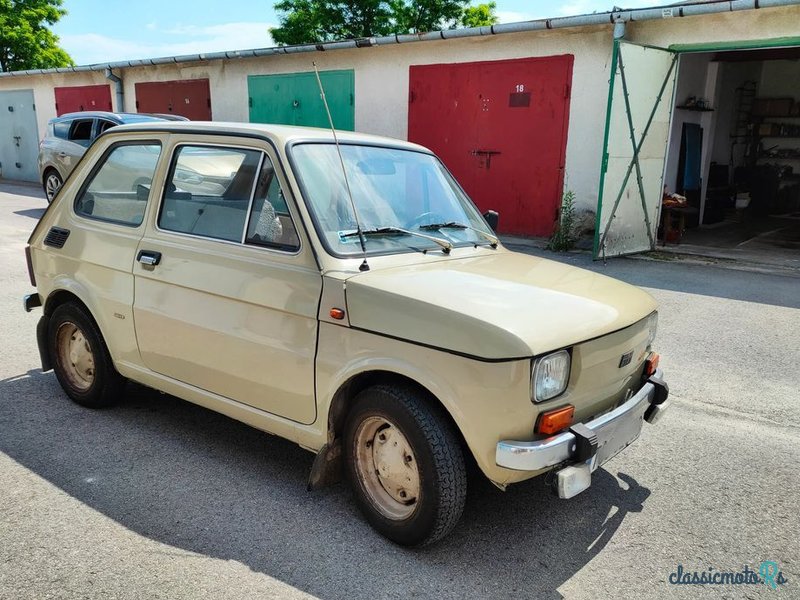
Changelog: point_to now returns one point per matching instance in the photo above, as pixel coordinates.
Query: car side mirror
(492, 217)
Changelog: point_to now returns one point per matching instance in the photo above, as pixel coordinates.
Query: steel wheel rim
(387, 468)
(52, 185)
(75, 356)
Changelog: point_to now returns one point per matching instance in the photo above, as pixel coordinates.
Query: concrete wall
(381, 75)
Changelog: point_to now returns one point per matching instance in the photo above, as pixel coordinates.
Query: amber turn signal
(651, 364)
(556, 420)
(337, 313)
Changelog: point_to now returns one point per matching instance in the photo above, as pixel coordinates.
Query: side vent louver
(56, 237)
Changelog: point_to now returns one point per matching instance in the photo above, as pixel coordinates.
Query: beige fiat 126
(348, 297)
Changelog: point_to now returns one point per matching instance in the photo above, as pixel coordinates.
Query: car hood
(502, 306)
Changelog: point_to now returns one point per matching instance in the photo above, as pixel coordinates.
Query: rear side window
(102, 125)
(81, 132)
(118, 189)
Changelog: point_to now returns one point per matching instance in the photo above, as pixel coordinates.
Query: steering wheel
(425, 218)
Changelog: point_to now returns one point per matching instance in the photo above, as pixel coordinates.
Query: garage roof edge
(683, 9)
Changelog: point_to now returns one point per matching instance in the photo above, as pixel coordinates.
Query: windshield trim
(371, 144)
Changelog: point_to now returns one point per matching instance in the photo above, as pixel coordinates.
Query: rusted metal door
(501, 128)
(82, 97)
(190, 98)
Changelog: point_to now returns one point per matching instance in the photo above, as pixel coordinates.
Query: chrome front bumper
(600, 440)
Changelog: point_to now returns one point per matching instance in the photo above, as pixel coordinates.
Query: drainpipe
(619, 29)
(118, 89)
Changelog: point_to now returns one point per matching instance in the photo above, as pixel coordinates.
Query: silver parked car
(68, 137)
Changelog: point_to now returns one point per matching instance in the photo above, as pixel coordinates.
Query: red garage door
(190, 99)
(501, 128)
(82, 97)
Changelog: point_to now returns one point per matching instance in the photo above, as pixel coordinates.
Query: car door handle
(149, 258)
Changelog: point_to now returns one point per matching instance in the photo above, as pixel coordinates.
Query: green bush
(564, 238)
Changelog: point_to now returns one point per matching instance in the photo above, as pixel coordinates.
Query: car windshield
(392, 190)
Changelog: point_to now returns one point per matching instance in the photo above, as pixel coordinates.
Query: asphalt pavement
(158, 498)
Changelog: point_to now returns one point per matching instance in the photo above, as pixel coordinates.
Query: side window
(270, 224)
(208, 191)
(102, 125)
(81, 132)
(119, 188)
(61, 129)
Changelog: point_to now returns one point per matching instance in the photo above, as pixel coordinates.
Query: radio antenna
(364, 266)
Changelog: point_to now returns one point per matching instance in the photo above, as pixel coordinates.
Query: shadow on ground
(679, 276)
(21, 189)
(190, 478)
(33, 213)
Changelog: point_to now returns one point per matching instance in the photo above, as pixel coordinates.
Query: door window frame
(276, 165)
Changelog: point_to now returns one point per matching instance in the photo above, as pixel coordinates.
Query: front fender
(486, 400)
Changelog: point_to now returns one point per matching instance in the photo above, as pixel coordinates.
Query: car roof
(111, 116)
(280, 134)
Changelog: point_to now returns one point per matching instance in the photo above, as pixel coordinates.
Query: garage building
(701, 99)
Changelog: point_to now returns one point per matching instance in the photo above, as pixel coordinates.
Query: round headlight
(550, 376)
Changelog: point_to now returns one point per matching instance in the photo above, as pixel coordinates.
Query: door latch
(485, 156)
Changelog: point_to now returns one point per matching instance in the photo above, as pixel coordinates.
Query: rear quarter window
(60, 129)
(119, 186)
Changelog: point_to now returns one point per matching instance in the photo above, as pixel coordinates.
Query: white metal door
(19, 136)
(636, 138)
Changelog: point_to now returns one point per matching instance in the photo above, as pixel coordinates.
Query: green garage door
(294, 99)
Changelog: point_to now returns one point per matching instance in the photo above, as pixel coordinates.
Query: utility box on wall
(294, 99)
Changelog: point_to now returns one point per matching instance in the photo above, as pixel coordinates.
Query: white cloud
(90, 48)
(585, 7)
(510, 16)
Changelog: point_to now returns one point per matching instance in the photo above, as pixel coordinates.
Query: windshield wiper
(446, 246)
(454, 225)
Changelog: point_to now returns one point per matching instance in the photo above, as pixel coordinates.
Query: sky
(96, 31)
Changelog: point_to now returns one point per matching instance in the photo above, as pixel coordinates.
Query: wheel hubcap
(387, 468)
(51, 186)
(75, 356)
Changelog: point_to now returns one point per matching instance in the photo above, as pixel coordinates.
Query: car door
(79, 136)
(226, 293)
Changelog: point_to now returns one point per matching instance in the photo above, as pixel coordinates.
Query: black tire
(80, 358)
(51, 184)
(438, 456)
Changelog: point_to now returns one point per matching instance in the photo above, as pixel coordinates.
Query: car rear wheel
(52, 183)
(405, 465)
(80, 358)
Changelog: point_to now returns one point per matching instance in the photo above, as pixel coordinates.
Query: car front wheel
(80, 358)
(405, 465)
(52, 183)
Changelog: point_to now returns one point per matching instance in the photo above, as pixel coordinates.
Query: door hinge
(250, 102)
(567, 90)
(137, 105)
(411, 96)
(605, 162)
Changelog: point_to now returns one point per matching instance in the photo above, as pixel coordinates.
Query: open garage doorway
(702, 151)
(734, 154)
